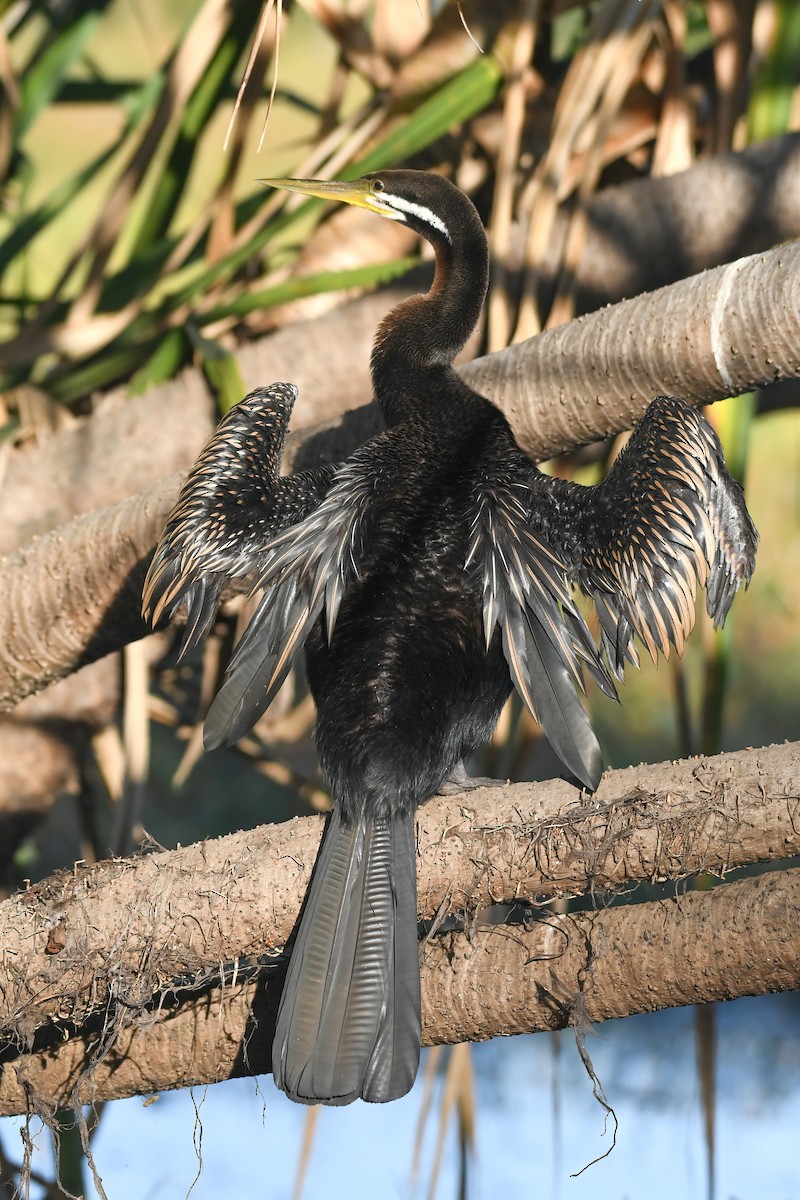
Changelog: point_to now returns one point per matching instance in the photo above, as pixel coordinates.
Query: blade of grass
(185, 69)
(312, 285)
(140, 342)
(499, 316)
(50, 62)
(163, 364)
(99, 373)
(64, 193)
(470, 92)
(202, 103)
(777, 77)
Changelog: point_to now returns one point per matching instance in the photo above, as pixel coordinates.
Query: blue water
(537, 1124)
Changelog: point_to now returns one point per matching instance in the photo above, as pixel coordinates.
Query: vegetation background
(137, 245)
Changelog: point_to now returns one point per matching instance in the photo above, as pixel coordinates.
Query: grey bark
(129, 926)
(735, 940)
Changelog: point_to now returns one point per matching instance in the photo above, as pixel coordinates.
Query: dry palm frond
(673, 150)
(592, 93)
(221, 204)
(347, 26)
(431, 1069)
(632, 46)
(255, 49)
(397, 33)
(731, 51)
(446, 49)
(458, 1094)
(136, 743)
(499, 306)
(467, 29)
(304, 1157)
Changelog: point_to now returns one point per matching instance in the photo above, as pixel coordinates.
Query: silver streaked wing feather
(230, 507)
(674, 521)
(544, 637)
(305, 573)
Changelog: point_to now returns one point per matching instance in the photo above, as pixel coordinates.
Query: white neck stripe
(417, 210)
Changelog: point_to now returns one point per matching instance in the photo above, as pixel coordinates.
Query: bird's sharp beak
(356, 191)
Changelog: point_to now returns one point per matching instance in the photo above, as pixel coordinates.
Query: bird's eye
(377, 185)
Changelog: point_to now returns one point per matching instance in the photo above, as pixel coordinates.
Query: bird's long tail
(349, 1018)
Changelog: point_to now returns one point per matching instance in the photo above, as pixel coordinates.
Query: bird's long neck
(419, 339)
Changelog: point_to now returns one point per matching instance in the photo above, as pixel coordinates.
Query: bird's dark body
(406, 689)
(426, 576)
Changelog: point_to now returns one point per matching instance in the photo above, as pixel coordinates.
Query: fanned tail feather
(349, 1018)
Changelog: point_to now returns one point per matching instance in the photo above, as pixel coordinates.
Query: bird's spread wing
(667, 518)
(305, 571)
(545, 639)
(230, 508)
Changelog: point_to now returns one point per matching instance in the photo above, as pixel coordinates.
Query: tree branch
(112, 936)
(704, 338)
(736, 940)
(73, 596)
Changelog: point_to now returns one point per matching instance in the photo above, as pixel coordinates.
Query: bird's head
(428, 331)
(427, 203)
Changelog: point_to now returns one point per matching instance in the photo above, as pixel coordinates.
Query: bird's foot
(459, 781)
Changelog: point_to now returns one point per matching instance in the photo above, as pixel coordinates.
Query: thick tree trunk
(90, 958)
(737, 940)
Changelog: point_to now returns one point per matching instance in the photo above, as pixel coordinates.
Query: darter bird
(426, 576)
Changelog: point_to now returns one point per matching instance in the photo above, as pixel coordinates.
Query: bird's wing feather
(305, 571)
(545, 639)
(667, 518)
(230, 507)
